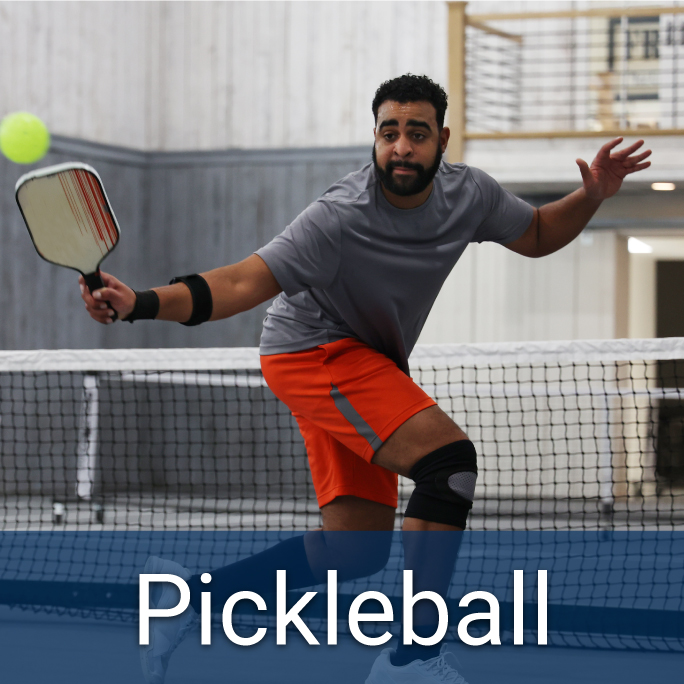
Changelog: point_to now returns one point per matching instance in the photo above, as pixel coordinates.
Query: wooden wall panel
(595, 282)
(212, 75)
(495, 295)
(80, 66)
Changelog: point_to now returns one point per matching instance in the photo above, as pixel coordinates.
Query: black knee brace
(445, 484)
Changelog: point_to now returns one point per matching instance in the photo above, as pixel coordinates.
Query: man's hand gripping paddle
(69, 218)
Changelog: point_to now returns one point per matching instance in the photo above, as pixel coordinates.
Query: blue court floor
(44, 649)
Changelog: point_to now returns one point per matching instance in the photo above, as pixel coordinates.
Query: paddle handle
(94, 282)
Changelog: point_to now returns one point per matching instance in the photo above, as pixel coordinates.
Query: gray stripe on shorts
(344, 406)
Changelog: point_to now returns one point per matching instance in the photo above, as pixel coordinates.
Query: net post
(87, 449)
(605, 459)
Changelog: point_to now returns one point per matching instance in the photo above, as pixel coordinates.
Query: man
(356, 275)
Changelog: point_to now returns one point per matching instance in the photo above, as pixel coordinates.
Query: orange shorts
(347, 399)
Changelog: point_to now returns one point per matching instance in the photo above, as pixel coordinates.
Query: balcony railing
(601, 71)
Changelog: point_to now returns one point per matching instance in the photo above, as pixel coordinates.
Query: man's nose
(403, 147)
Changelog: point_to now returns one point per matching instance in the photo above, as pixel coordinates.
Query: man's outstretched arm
(235, 288)
(557, 224)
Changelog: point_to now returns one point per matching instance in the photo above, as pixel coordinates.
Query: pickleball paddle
(69, 218)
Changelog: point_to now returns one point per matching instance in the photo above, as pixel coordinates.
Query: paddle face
(67, 213)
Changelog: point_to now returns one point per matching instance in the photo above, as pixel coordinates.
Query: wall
(187, 212)
(544, 162)
(293, 74)
(266, 76)
(216, 75)
(213, 75)
(179, 213)
(642, 279)
(80, 66)
(495, 295)
(40, 302)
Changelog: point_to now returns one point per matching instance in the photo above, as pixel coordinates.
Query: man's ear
(444, 135)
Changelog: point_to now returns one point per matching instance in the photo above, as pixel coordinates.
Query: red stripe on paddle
(105, 217)
(88, 203)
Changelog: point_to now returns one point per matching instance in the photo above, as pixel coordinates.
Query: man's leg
(430, 557)
(356, 555)
(308, 557)
(420, 435)
(358, 398)
(354, 399)
(353, 494)
(351, 514)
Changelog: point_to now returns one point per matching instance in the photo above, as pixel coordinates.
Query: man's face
(408, 146)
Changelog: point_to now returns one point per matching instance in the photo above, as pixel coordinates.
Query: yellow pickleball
(24, 138)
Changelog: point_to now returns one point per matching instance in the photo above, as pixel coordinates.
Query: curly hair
(411, 88)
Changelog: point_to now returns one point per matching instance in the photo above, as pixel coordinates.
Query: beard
(404, 187)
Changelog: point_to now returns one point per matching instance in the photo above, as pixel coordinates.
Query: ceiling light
(662, 186)
(638, 247)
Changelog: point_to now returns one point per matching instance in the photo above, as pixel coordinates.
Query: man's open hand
(605, 175)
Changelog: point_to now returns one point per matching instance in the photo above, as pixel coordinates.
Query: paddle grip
(94, 282)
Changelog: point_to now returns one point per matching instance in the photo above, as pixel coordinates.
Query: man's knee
(422, 433)
(445, 484)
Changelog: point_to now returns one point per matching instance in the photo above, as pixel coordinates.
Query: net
(571, 436)
(577, 435)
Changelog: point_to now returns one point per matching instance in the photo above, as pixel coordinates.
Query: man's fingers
(108, 280)
(101, 315)
(632, 161)
(622, 154)
(605, 149)
(104, 294)
(638, 167)
(584, 170)
(98, 303)
(87, 297)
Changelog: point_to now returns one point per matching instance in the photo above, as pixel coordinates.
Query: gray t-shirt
(353, 265)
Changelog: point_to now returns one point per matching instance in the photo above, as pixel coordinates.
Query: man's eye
(419, 136)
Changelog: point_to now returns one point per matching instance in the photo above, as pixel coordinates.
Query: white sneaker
(165, 633)
(440, 669)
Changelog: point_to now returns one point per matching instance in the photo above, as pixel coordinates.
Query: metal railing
(600, 71)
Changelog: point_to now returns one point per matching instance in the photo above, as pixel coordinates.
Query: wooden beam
(493, 31)
(457, 78)
(573, 14)
(609, 133)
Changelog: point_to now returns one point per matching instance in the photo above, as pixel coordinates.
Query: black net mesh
(561, 445)
(576, 437)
